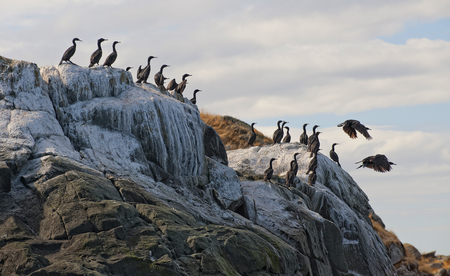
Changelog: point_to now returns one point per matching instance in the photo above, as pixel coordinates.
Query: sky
(384, 63)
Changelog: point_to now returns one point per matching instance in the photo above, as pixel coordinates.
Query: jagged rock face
(336, 209)
(111, 178)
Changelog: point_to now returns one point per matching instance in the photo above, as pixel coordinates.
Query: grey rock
(412, 251)
(396, 252)
(214, 147)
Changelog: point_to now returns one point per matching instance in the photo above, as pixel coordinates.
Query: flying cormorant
(287, 138)
(378, 163)
(278, 134)
(69, 52)
(159, 77)
(312, 177)
(333, 154)
(128, 68)
(290, 175)
(351, 126)
(315, 144)
(182, 85)
(194, 99)
(304, 136)
(97, 55)
(312, 137)
(252, 137)
(269, 172)
(112, 57)
(142, 74)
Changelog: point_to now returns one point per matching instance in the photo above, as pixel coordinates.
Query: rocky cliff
(100, 176)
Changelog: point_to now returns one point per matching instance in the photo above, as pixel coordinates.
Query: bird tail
(60, 62)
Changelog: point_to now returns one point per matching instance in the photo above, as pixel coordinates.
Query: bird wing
(351, 132)
(362, 129)
(172, 85)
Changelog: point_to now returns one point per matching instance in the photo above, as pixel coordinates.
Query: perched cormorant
(290, 175)
(182, 85)
(269, 172)
(296, 164)
(333, 154)
(172, 85)
(142, 74)
(112, 57)
(378, 163)
(287, 138)
(312, 137)
(312, 177)
(351, 126)
(312, 163)
(69, 52)
(159, 77)
(315, 144)
(97, 55)
(128, 68)
(194, 99)
(252, 137)
(304, 136)
(278, 134)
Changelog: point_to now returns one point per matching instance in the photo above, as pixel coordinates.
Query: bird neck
(99, 44)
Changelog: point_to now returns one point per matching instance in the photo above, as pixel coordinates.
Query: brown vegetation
(233, 132)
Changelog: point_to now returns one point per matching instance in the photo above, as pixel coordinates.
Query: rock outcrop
(107, 177)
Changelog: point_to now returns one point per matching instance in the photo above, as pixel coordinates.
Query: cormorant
(287, 138)
(312, 137)
(252, 137)
(194, 99)
(182, 85)
(142, 74)
(333, 154)
(159, 77)
(278, 134)
(312, 177)
(172, 85)
(97, 55)
(290, 175)
(70, 52)
(304, 136)
(128, 68)
(378, 163)
(112, 57)
(312, 163)
(315, 144)
(269, 172)
(296, 164)
(351, 126)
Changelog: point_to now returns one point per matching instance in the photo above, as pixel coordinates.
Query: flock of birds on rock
(142, 73)
(379, 162)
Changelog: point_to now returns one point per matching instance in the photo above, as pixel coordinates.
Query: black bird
(312, 137)
(312, 163)
(112, 57)
(142, 74)
(290, 175)
(287, 138)
(97, 55)
(304, 136)
(333, 154)
(351, 126)
(128, 68)
(70, 52)
(269, 172)
(172, 85)
(194, 99)
(312, 177)
(278, 134)
(159, 77)
(182, 85)
(378, 163)
(315, 144)
(252, 137)
(296, 164)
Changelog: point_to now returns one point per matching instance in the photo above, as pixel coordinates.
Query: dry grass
(386, 236)
(234, 133)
